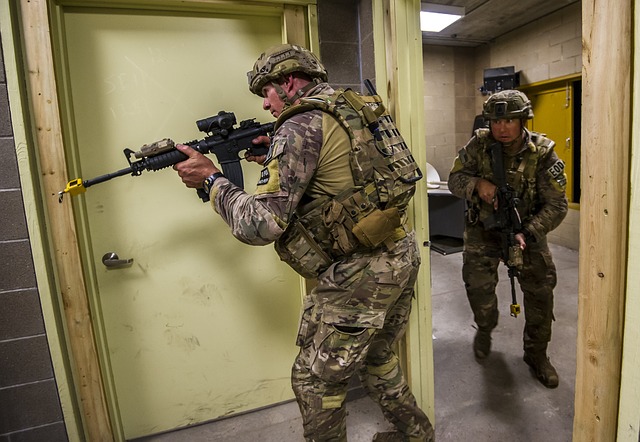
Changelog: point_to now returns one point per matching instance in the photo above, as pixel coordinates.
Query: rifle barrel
(106, 177)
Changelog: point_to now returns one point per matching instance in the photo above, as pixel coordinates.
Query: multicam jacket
(535, 173)
(296, 165)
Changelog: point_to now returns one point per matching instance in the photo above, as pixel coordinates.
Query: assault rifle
(507, 221)
(223, 140)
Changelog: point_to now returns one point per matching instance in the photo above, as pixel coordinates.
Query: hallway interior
(496, 400)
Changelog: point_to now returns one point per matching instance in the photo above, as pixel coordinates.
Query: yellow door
(199, 326)
(553, 117)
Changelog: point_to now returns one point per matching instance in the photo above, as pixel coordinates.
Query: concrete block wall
(543, 50)
(30, 409)
(345, 30)
(449, 102)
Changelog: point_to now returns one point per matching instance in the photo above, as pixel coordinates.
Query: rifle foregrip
(163, 160)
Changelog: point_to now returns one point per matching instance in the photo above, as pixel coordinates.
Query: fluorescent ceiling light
(434, 18)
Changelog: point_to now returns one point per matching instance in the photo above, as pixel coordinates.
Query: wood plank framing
(606, 74)
(45, 110)
(399, 80)
(629, 413)
(295, 31)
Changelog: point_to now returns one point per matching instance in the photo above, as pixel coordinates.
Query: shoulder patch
(556, 169)
(557, 173)
(269, 181)
(264, 176)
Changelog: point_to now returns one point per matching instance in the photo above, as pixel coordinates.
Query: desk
(446, 220)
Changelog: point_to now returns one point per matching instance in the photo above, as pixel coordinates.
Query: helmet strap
(281, 93)
(518, 141)
(303, 90)
(289, 101)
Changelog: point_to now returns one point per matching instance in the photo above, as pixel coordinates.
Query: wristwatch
(206, 185)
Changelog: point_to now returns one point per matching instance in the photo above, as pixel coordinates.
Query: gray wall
(346, 42)
(29, 404)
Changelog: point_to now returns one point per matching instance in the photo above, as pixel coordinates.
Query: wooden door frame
(604, 219)
(399, 80)
(629, 413)
(88, 413)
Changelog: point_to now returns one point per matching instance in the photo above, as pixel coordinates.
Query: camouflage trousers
(537, 279)
(350, 322)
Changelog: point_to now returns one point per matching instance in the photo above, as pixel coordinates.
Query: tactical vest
(367, 216)
(521, 175)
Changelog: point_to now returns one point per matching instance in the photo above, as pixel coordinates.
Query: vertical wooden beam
(295, 26)
(45, 113)
(399, 75)
(391, 57)
(606, 57)
(629, 412)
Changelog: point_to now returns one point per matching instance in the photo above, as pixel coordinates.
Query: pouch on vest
(377, 227)
(339, 224)
(299, 247)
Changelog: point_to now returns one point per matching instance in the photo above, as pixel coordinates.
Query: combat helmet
(282, 60)
(508, 104)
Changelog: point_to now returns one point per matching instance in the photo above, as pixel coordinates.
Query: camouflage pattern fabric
(291, 170)
(351, 320)
(537, 175)
(537, 279)
(362, 302)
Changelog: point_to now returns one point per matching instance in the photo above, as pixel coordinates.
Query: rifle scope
(217, 124)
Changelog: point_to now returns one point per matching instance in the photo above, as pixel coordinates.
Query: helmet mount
(507, 104)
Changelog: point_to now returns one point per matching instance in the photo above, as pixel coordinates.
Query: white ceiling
(486, 20)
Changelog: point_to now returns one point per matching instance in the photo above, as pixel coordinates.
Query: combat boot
(544, 371)
(482, 344)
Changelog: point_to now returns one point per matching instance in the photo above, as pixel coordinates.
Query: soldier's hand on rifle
(520, 239)
(260, 159)
(195, 169)
(488, 192)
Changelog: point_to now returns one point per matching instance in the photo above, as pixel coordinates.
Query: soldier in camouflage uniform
(365, 261)
(537, 177)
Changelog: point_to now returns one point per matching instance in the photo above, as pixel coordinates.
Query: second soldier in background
(536, 176)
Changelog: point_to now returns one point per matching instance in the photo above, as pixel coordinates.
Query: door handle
(112, 261)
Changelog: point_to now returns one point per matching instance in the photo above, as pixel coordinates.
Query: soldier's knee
(383, 369)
